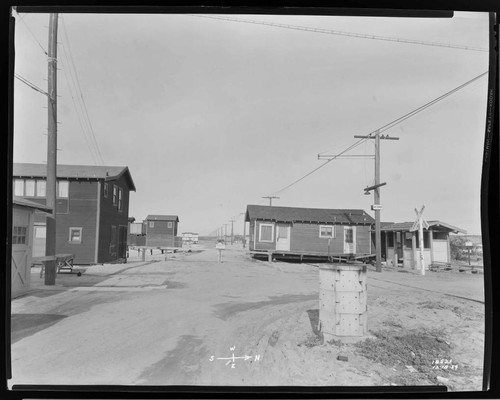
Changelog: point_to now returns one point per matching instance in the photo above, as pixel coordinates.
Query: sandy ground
(181, 321)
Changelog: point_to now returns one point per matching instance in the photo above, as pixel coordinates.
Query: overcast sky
(211, 115)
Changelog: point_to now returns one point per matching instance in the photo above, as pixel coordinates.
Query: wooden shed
(161, 231)
(398, 241)
(292, 232)
(22, 243)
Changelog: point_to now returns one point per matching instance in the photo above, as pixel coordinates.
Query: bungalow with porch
(400, 244)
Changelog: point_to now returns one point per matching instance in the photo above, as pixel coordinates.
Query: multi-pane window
(266, 232)
(19, 187)
(41, 188)
(151, 224)
(120, 191)
(169, 225)
(115, 194)
(106, 190)
(408, 236)
(29, 188)
(75, 235)
(63, 189)
(326, 231)
(19, 234)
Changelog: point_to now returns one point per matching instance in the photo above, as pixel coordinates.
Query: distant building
(91, 209)
(22, 243)
(397, 239)
(308, 232)
(161, 231)
(189, 237)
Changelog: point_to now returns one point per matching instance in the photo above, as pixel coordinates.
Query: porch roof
(433, 225)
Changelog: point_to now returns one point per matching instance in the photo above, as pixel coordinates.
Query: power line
(384, 128)
(79, 116)
(21, 18)
(348, 34)
(81, 100)
(31, 85)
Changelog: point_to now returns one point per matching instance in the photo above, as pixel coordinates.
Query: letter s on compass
(211, 358)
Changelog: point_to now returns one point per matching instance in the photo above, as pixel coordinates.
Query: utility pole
(244, 229)
(50, 242)
(225, 232)
(232, 230)
(270, 199)
(376, 195)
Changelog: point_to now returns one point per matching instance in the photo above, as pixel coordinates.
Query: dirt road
(181, 322)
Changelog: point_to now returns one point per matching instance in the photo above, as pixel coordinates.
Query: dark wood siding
(82, 214)
(111, 217)
(304, 238)
(160, 234)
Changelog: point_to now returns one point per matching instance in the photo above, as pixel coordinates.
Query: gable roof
(436, 225)
(155, 217)
(20, 201)
(88, 172)
(316, 215)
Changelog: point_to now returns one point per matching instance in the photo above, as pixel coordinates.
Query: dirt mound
(417, 348)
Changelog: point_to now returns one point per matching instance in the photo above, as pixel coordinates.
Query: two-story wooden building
(308, 232)
(91, 209)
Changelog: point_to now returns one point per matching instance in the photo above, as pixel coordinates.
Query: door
(349, 239)
(283, 237)
(21, 251)
(122, 241)
(112, 243)
(440, 248)
(39, 235)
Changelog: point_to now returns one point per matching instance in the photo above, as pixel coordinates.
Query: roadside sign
(376, 207)
(468, 244)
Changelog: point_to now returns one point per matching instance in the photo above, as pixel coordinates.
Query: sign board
(376, 207)
(220, 246)
(468, 244)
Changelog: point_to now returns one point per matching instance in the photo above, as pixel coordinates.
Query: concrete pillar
(342, 301)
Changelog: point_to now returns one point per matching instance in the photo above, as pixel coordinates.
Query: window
(75, 235)
(427, 239)
(62, 189)
(390, 239)
(40, 232)
(29, 188)
(106, 190)
(41, 188)
(266, 232)
(120, 198)
(115, 194)
(151, 224)
(19, 234)
(408, 243)
(169, 225)
(349, 235)
(326, 231)
(18, 187)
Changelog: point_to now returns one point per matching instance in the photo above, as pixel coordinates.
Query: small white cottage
(22, 243)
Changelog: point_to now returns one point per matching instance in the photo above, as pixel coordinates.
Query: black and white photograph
(234, 199)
